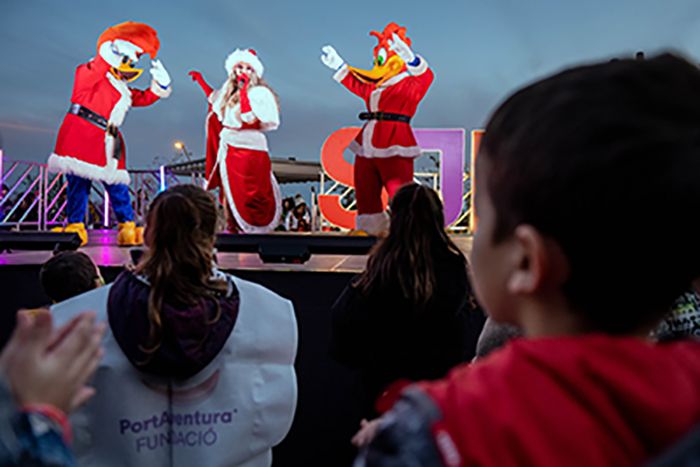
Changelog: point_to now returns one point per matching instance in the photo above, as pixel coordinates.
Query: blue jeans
(79, 192)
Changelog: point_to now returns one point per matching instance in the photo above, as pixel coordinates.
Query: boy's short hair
(68, 274)
(605, 159)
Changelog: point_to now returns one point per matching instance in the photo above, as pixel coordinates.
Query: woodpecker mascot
(386, 147)
(90, 146)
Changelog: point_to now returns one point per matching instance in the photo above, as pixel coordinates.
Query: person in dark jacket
(411, 313)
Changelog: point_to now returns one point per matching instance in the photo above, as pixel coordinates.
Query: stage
(103, 249)
(328, 410)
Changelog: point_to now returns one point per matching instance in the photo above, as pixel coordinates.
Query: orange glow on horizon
(25, 128)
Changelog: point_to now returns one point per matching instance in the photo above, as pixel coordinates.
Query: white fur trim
(116, 117)
(109, 148)
(70, 165)
(373, 224)
(263, 106)
(376, 95)
(247, 139)
(393, 80)
(215, 100)
(216, 163)
(419, 69)
(367, 133)
(157, 89)
(249, 228)
(245, 56)
(370, 151)
(341, 73)
(214, 96)
(248, 117)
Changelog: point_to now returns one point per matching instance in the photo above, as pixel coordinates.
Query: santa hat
(248, 56)
(298, 200)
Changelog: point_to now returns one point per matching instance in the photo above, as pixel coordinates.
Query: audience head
(68, 274)
(180, 234)
(287, 204)
(299, 206)
(416, 235)
(597, 171)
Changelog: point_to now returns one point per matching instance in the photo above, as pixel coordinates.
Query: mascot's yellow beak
(379, 73)
(125, 71)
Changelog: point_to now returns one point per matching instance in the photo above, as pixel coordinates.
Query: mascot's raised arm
(386, 147)
(89, 146)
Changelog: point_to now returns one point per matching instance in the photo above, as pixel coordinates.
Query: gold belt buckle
(112, 130)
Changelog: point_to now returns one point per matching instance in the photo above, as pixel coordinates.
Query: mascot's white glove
(330, 58)
(160, 74)
(401, 48)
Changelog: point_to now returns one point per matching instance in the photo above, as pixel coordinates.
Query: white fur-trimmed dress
(238, 160)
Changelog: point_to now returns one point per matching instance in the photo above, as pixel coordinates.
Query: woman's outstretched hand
(199, 79)
(195, 75)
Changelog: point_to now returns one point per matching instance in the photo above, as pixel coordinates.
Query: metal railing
(432, 179)
(36, 199)
(26, 182)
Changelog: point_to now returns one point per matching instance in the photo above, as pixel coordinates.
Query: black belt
(100, 122)
(386, 116)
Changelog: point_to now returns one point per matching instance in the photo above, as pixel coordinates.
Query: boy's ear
(540, 263)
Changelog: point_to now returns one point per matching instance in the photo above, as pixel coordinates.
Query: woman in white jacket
(199, 365)
(237, 154)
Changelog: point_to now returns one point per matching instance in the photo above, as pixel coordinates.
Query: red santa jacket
(576, 401)
(81, 146)
(265, 114)
(401, 95)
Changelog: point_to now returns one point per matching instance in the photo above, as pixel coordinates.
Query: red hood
(591, 400)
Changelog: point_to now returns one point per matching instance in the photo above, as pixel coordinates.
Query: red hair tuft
(384, 36)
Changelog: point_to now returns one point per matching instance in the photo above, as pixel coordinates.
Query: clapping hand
(50, 366)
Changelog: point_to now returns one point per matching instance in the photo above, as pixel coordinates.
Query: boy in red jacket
(570, 172)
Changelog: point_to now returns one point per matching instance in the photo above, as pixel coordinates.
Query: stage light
(106, 213)
(162, 178)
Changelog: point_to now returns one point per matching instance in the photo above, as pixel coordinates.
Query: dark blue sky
(480, 51)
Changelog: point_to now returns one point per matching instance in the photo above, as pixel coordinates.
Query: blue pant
(79, 192)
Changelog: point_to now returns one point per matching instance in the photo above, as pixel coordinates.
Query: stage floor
(103, 249)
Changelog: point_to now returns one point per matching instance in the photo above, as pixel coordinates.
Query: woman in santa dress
(237, 155)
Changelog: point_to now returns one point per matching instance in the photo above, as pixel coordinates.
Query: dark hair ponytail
(180, 235)
(416, 234)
